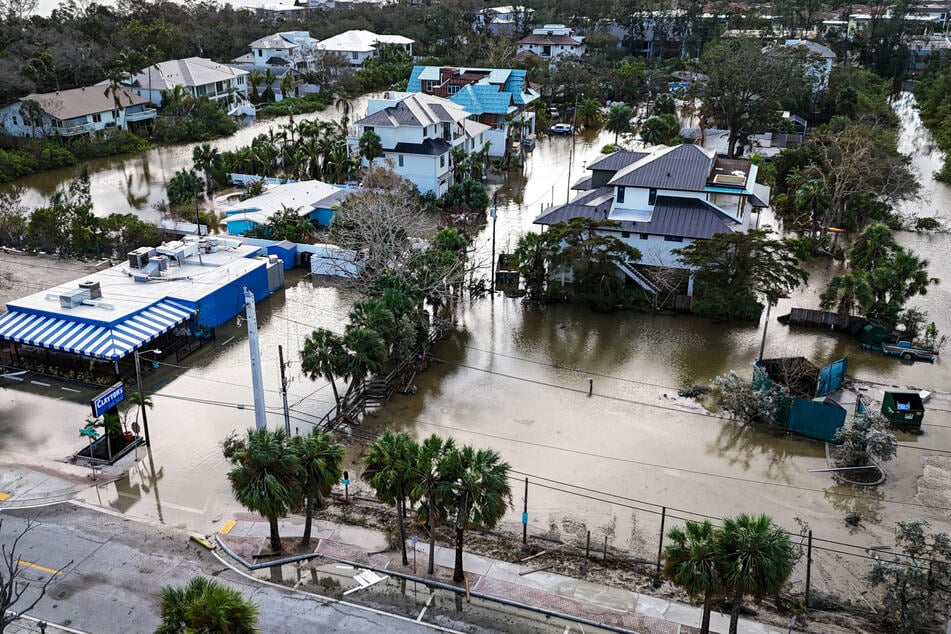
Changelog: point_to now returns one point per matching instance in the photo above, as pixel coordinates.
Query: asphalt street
(120, 566)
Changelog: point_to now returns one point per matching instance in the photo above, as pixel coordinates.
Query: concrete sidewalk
(618, 607)
(27, 482)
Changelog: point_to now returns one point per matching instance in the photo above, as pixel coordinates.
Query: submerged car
(562, 128)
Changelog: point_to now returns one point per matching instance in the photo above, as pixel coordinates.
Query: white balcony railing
(141, 115)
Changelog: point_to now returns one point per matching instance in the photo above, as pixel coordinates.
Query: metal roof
(431, 147)
(414, 109)
(682, 167)
(193, 71)
(617, 160)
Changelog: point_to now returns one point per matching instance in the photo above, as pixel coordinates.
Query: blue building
(313, 200)
(170, 297)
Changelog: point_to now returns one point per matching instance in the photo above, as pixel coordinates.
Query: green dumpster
(903, 408)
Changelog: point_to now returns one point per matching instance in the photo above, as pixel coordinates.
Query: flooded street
(516, 378)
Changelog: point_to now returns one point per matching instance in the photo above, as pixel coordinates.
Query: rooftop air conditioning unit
(95, 291)
(139, 258)
(73, 298)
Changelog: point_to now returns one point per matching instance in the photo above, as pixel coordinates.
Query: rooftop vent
(95, 291)
(729, 179)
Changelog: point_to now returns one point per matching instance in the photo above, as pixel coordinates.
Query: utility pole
(493, 212)
(762, 345)
(287, 414)
(198, 229)
(257, 381)
(142, 406)
(571, 151)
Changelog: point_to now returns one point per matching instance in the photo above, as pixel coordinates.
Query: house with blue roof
(500, 98)
(664, 198)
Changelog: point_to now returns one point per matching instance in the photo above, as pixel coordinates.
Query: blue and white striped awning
(100, 342)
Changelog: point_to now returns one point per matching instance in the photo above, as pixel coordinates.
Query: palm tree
(131, 61)
(115, 77)
(323, 355)
(431, 486)
(320, 459)
(844, 293)
(756, 560)
(691, 561)
(873, 247)
(254, 79)
(287, 84)
(388, 468)
(205, 158)
(140, 402)
(268, 93)
(619, 120)
(660, 129)
(366, 353)
(480, 494)
(589, 113)
(266, 476)
(206, 605)
(374, 315)
(370, 146)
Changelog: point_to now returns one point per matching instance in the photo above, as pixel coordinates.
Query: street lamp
(138, 383)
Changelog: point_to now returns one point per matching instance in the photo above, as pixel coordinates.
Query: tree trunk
(432, 540)
(735, 613)
(705, 619)
(458, 574)
(731, 145)
(400, 512)
(308, 519)
(275, 535)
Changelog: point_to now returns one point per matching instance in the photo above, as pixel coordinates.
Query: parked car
(562, 128)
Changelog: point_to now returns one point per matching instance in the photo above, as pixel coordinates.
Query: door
(831, 376)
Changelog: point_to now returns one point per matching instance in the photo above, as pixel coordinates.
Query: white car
(562, 128)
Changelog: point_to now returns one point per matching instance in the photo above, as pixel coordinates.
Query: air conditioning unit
(95, 291)
(162, 261)
(73, 298)
(139, 258)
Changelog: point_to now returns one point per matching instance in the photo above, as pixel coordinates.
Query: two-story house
(819, 62)
(296, 49)
(663, 199)
(418, 133)
(498, 97)
(358, 46)
(74, 112)
(504, 20)
(552, 42)
(199, 77)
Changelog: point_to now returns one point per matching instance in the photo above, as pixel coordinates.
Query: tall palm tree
(287, 84)
(480, 494)
(432, 486)
(874, 246)
(388, 468)
(589, 113)
(320, 459)
(366, 353)
(370, 146)
(323, 355)
(205, 158)
(131, 61)
(844, 293)
(691, 561)
(254, 80)
(373, 314)
(206, 605)
(269, 78)
(114, 88)
(266, 476)
(619, 120)
(756, 559)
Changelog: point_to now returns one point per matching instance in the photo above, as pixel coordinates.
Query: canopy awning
(101, 342)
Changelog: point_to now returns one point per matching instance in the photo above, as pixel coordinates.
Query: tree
(757, 558)
(589, 113)
(748, 84)
(206, 158)
(532, 254)
(266, 476)
(184, 187)
(468, 192)
(12, 586)
(736, 269)
(479, 494)
(749, 403)
(661, 129)
(370, 146)
(287, 84)
(388, 468)
(916, 583)
(323, 355)
(254, 80)
(115, 88)
(206, 605)
(845, 293)
(692, 561)
(864, 438)
(619, 120)
(432, 486)
(286, 224)
(320, 459)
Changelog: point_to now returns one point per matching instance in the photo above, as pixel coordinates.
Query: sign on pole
(105, 401)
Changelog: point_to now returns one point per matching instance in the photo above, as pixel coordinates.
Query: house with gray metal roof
(663, 198)
(498, 97)
(417, 133)
(199, 78)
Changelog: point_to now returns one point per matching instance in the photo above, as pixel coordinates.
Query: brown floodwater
(516, 378)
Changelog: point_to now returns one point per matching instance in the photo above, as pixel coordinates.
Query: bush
(107, 143)
(34, 157)
(205, 121)
(311, 102)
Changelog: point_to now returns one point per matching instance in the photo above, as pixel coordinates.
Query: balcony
(141, 115)
(74, 129)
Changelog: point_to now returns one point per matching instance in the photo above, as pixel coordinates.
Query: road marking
(224, 530)
(4, 496)
(40, 383)
(38, 567)
(69, 389)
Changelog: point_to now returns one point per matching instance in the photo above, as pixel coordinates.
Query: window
(453, 89)
(620, 195)
(220, 86)
(368, 128)
(240, 80)
(200, 91)
(625, 234)
(652, 196)
(400, 160)
(15, 120)
(442, 161)
(97, 118)
(673, 239)
(353, 55)
(644, 236)
(546, 51)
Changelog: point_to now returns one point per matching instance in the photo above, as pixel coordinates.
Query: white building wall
(13, 124)
(423, 171)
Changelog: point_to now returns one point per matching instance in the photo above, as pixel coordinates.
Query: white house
(198, 76)
(418, 132)
(73, 112)
(504, 20)
(819, 63)
(663, 199)
(313, 200)
(552, 41)
(296, 49)
(358, 46)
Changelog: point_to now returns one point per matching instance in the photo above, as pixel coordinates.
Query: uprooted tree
(18, 596)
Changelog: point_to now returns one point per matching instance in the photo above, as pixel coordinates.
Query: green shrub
(311, 102)
(107, 143)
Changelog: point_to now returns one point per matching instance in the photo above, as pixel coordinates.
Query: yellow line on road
(38, 567)
(227, 527)
(4, 496)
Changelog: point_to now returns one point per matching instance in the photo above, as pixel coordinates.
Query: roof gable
(682, 167)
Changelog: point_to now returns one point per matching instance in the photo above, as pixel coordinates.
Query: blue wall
(228, 301)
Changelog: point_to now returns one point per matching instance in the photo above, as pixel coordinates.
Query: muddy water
(516, 379)
(134, 184)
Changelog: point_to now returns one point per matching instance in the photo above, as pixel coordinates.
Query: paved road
(119, 567)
